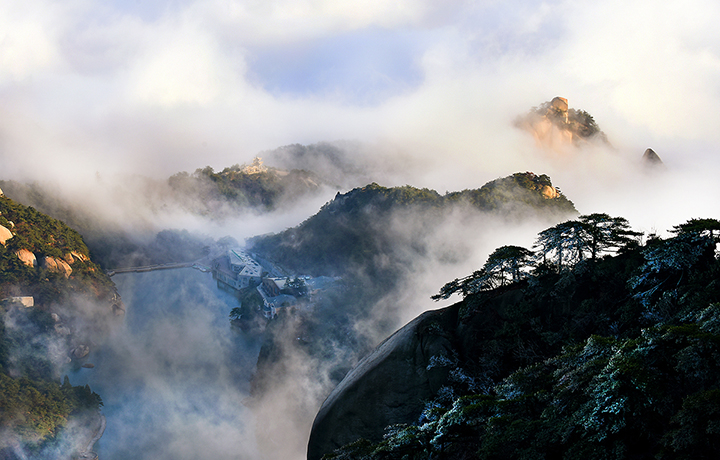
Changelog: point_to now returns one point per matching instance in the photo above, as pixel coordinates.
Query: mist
(96, 97)
(101, 102)
(174, 376)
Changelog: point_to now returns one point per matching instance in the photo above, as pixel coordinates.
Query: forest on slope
(354, 228)
(572, 354)
(72, 299)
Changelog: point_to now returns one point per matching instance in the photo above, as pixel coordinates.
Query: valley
(181, 344)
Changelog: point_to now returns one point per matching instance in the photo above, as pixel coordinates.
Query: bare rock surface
(27, 257)
(652, 159)
(389, 386)
(5, 234)
(55, 264)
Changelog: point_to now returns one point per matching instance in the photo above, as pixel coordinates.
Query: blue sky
(362, 67)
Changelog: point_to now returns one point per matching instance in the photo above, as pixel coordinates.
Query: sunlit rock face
(73, 256)
(559, 108)
(555, 126)
(54, 264)
(5, 235)
(548, 134)
(549, 192)
(27, 257)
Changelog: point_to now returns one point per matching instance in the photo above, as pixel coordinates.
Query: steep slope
(55, 301)
(116, 243)
(375, 238)
(615, 357)
(48, 260)
(378, 242)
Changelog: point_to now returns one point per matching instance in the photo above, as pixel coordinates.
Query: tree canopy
(561, 247)
(709, 227)
(614, 359)
(507, 264)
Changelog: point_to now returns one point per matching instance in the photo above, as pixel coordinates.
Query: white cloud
(657, 64)
(91, 87)
(183, 65)
(286, 21)
(91, 91)
(28, 41)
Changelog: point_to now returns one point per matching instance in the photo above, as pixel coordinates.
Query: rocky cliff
(390, 385)
(651, 160)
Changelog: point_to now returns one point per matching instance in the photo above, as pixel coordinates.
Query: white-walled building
(237, 269)
(273, 299)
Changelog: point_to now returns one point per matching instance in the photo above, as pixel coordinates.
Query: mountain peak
(554, 125)
(652, 159)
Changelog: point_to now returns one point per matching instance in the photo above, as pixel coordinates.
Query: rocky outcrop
(25, 301)
(80, 351)
(652, 159)
(549, 192)
(27, 257)
(555, 126)
(390, 385)
(72, 257)
(256, 167)
(437, 352)
(57, 265)
(5, 234)
(558, 109)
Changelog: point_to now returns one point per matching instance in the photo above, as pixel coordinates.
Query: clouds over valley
(135, 122)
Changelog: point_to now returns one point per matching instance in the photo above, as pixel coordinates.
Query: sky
(91, 88)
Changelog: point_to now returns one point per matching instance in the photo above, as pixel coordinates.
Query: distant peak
(560, 103)
(554, 124)
(652, 159)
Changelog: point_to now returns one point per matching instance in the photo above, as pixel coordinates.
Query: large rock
(57, 265)
(549, 192)
(27, 257)
(73, 256)
(559, 105)
(390, 385)
(80, 351)
(5, 234)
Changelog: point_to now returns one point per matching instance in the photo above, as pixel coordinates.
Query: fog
(174, 377)
(96, 94)
(101, 102)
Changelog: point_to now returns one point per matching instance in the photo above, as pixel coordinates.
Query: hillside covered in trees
(54, 299)
(354, 228)
(253, 186)
(591, 345)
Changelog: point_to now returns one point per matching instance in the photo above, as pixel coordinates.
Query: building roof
(243, 264)
(279, 282)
